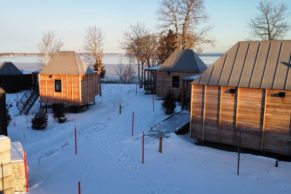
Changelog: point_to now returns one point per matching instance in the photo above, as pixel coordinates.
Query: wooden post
(161, 144)
(26, 172)
(277, 163)
(142, 157)
(237, 111)
(136, 88)
(79, 187)
(238, 155)
(264, 118)
(153, 103)
(204, 114)
(120, 109)
(219, 114)
(182, 97)
(76, 146)
(132, 124)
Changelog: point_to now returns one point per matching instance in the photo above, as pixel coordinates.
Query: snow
(109, 158)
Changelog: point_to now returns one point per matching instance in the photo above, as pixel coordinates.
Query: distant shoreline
(12, 54)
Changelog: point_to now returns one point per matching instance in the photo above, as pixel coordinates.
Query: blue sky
(22, 22)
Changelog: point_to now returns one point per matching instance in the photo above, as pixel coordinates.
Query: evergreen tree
(99, 67)
(167, 45)
(169, 104)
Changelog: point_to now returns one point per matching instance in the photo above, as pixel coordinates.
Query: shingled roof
(252, 64)
(183, 61)
(68, 63)
(8, 68)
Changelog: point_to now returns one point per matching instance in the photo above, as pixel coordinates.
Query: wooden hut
(67, 79)
(180, 64)
(244, 98)
(3, 121)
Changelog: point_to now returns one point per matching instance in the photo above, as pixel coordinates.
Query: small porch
(150, 79)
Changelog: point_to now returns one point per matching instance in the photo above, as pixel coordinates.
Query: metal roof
(183, 61)
(8, 68)
(68, 63)
(252, 64)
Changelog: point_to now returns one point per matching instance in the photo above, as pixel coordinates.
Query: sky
(22, 22)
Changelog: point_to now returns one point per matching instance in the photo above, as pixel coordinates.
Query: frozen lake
(31, 63)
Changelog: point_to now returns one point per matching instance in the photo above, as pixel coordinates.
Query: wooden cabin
(13, 80)
(244, 98)
(67, 79)
(181, 63)
(3, 122)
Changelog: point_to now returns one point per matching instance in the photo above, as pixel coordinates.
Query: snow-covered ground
(109, 158)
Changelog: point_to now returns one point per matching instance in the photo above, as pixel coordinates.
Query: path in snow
(109, 159)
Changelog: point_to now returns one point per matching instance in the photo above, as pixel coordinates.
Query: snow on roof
(183, 61)
(8, 68)
(68, 63)
(192, 77)
(153, 68)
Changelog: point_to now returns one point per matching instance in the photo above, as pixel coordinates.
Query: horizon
(23, 23)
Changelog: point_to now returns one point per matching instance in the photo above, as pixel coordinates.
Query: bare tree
(93, 44)
(271, 22)
(48, 46)
(125, 72)
(142, 45)
(186, 18)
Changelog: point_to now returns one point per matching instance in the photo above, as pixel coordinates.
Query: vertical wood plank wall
(164, 83)
(262, 117)
(76, 89)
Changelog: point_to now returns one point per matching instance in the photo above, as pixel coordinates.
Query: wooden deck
(170, 125)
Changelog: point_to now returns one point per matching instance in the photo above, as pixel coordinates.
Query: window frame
(175, 81)
(58, 85)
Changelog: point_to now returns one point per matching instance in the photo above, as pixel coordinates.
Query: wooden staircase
(27, 100)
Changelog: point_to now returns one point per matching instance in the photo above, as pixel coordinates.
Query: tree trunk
(142, 70)
(139, 76)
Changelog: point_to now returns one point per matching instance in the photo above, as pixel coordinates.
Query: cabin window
(58, 85)
(175, 82)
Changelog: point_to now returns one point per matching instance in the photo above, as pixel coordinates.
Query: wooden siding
(76, 89)
(164, 83)
(260, 115)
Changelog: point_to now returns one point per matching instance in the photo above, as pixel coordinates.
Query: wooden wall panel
(211, 125)
(197, 111)
(250, 117)
(227, 116)
(278, 123)
(164, 83)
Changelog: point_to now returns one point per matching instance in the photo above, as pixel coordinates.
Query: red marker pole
(26, 172)
(132, 124)
(76, 148)
(142, 157)
(79, 187)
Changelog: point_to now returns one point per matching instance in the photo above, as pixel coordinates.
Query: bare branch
(271, 22)
(48, 46)
(93, 44)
